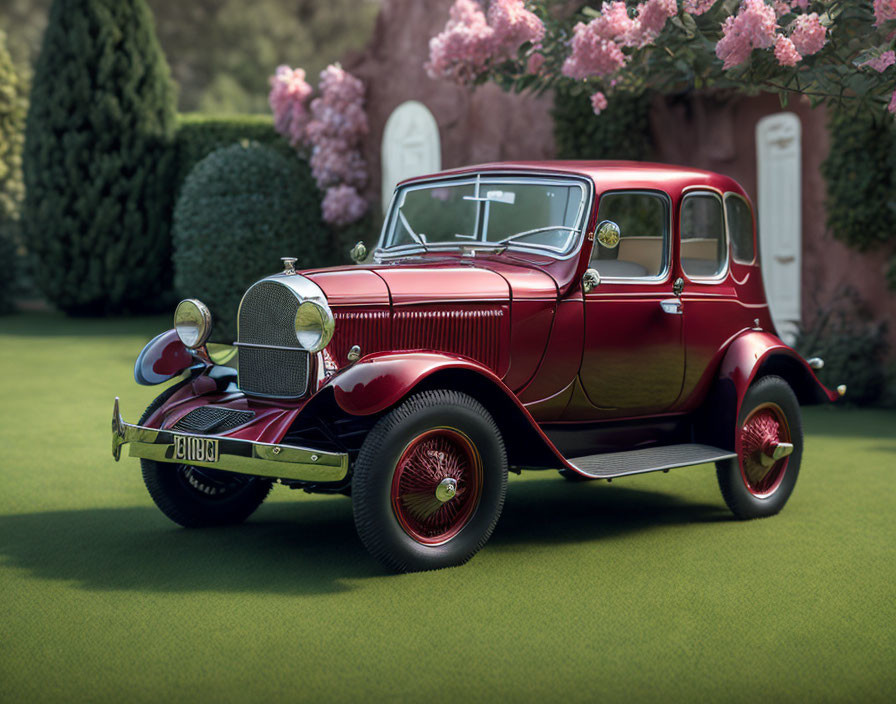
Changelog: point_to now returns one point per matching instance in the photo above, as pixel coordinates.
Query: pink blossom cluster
(289, 93)
(598, 103)
(342, 205)
(596, 47)
(333, 130)
(783, 7)
(753, 27)
(471, 40)
(881, 63)
(884, 11)
(335, 133)
(785, 51)
(513, 25)
(697, 7)
(808, 34)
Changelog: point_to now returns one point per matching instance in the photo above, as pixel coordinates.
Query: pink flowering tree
(832, 51)
(330, 129)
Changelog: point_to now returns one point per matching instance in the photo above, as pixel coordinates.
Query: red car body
(565, 372)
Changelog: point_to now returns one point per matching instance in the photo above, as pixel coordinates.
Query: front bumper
(230, 455)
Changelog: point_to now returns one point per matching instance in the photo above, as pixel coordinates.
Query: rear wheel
(429, 482)
(769, 446)
(195, 497)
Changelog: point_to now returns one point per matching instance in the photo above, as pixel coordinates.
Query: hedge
(198, 135)
(241, 209)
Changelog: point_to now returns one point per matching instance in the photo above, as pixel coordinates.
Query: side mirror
(590, 280)
(358, 253)
(608, 234)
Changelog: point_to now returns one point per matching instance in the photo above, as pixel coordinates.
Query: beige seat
(699, 256)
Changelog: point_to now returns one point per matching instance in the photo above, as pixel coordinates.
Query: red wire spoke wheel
(437, 485)
(429, 482)
(764, 428)
(768, 440)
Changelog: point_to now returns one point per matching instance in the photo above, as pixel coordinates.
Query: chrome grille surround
(271, 361)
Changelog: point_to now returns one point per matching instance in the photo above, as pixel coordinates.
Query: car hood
(437, 282)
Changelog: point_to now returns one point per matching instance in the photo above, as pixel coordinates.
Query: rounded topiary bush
(240, 210)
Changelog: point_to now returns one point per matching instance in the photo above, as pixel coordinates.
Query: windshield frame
(478, 180)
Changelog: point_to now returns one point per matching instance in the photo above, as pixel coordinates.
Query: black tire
(377, 517)
(197, 497)
(773, 395)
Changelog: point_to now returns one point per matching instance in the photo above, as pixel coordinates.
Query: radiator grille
(267, 317)
(212, 418)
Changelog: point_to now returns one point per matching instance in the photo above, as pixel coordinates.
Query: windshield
(542, 215)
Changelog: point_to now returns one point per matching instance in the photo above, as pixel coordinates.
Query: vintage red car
(600, 318)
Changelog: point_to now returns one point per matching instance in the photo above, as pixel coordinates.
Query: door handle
(671, 306)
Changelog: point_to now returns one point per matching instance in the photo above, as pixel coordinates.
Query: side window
(704, 252)
(643, 220)
(740, 228)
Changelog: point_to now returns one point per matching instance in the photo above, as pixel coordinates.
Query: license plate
(192, 449)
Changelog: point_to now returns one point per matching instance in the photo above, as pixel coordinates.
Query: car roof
(608, 175)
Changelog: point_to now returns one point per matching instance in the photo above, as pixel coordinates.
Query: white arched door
(778, 152)
(410, 147)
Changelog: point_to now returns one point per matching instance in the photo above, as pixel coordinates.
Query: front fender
(163, 358)
(381, 380)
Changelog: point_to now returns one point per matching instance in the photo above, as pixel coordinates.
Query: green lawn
(644, 589)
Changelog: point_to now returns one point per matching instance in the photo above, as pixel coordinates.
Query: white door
(411, 146)
(778, 151)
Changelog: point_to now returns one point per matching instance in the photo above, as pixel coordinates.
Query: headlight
(193, 322)
(314, 326)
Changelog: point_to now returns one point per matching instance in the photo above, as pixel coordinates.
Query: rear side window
(643, 220)
(704, 250)
(740, 228)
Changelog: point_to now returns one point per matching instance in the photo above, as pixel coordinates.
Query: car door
(633, 357)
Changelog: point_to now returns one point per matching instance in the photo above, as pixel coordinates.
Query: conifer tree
(12, 118)
(98, 160)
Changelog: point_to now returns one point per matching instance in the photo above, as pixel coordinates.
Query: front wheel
(196, 497)
(429, 482)
(769, 446)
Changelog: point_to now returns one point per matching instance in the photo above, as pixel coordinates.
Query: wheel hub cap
(764, 447)
(447, 489)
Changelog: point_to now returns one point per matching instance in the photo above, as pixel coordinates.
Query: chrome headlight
(193, 322)
(314, 326)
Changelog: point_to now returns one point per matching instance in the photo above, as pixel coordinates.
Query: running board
(651, 459)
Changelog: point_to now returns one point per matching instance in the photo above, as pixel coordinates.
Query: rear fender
(752, 355)
(380, 381)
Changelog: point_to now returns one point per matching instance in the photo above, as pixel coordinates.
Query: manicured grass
(644, 589)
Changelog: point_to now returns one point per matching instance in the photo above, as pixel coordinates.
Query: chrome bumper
(241, 456)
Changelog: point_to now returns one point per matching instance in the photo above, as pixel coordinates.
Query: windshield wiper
(526, 233)
(417, 238)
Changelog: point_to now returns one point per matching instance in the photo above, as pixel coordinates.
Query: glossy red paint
(746, 356)
(351, 286)
(269, 425)
(381, 380)
(163, 358)
(562, 358)
(522, 322)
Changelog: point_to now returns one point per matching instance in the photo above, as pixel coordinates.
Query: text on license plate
(193, 449)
